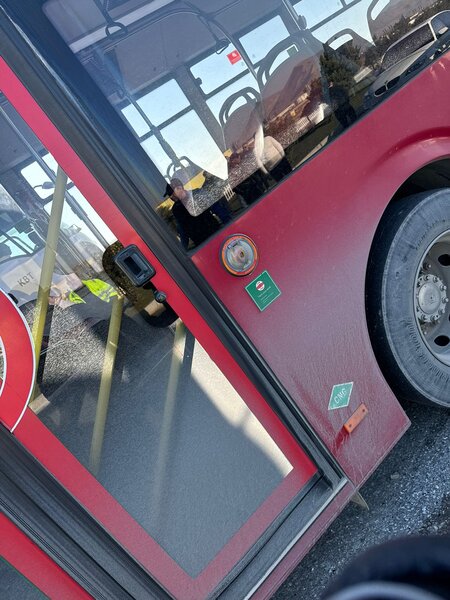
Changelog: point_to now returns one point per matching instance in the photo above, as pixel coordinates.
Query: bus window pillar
(192, 91)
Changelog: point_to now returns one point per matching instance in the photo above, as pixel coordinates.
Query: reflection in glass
(259, 41)
(281, 89)
(407, 46)
(121, 381)
(212, 72)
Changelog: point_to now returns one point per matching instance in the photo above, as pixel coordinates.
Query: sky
(36, 176)
(188, 136)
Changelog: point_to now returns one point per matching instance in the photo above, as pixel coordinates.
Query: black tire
(404, 337)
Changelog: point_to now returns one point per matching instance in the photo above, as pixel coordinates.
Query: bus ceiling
(94, 15)
(125, 28)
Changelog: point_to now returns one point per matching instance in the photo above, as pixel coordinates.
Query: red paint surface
(35, 565)
(61, 463)
(18, 354)
(313, 235)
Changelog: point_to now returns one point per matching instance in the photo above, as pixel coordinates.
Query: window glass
(216, 69)
(315, 12)
(260, 40)
(126, 387)
(164, 102)
(441, 22)
(136, 120)
(407, 46)
(233, 130)
(217, 101)
(203, 157)
(14, 585)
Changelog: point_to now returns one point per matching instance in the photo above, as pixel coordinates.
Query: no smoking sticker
(234, 57)
(263, 290)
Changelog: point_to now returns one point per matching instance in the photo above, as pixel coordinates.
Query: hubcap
(431, 298)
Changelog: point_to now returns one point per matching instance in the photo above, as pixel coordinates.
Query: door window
(128, 390)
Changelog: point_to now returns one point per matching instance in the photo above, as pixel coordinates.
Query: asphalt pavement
(408, 494)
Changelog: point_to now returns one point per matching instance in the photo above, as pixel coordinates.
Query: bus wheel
(408, 292)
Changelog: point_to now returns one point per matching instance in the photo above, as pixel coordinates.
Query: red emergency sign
(234, 57)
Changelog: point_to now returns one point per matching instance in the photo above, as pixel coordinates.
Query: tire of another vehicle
(399, 288)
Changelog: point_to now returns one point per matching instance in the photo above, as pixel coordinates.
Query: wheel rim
(431, 298)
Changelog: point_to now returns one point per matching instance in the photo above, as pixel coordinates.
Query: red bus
(224, 261)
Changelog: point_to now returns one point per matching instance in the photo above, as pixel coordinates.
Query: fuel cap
(239, 255)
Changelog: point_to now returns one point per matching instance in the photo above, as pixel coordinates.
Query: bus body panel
(313, 234)
(315, 246)
(49, 451)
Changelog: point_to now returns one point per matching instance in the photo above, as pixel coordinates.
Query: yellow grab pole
(162, 457)
(105, 384)
(48, 263)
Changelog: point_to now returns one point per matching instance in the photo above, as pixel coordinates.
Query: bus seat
(190, 174)
(240, 125)
(244, 134)
(292, 89)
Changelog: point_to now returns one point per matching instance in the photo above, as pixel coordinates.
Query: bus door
(204, 385)
(230, 103)
(131, 434)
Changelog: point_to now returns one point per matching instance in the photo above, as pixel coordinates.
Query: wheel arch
(433, 175)
(430, 176)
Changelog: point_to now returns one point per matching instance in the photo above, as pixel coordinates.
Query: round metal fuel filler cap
(239, 255)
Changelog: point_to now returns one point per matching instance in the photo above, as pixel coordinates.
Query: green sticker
(340, 395)
(263, 290)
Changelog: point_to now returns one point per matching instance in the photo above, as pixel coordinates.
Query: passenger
(340, 104)
(198, 229)
(219, 208)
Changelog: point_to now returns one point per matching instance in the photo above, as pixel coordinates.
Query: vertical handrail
(104, 391)
(167, 425)
(49, 260)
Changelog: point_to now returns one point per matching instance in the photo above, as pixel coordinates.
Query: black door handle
(134, 265)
